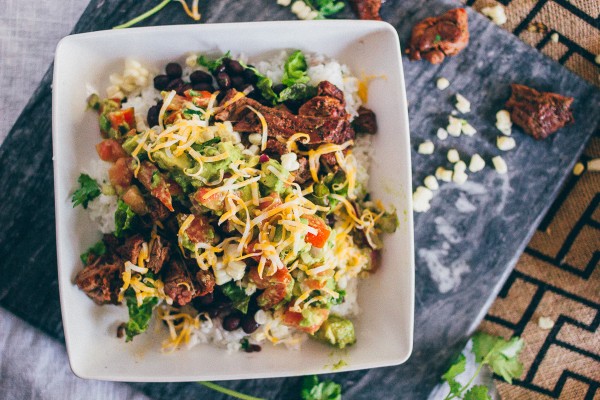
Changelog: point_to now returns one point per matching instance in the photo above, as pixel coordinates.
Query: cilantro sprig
(501, 356)
(312, 389)
(325, 8)
(88, 191)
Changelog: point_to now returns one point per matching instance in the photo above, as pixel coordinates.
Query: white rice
(102, 209)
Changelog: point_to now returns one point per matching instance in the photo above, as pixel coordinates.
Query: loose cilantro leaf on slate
(455, 369)
(477, 392)
(312, 389)
(501, 355)
(88, 191)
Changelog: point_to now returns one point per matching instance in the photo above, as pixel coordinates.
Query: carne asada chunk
(130, 250)
(283, 124)
(366, 9)
(302, 175)
(365, 122)
(159, 253)
(540, 114)
(329, 102)
(155, 182)
(178, 283)
(205, 283)
(157, 210)
(101, 280)
(435, 38)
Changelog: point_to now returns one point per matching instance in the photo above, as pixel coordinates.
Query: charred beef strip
(302, 175)
(366, 9)
(540, 114)
(328, 103)
(205, 283)
(101, 280)
(435, 38)
(159, 253)
(365, 122)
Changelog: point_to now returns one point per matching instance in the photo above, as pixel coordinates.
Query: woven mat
(558, 277)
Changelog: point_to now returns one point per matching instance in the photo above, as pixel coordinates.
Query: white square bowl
(384, 327)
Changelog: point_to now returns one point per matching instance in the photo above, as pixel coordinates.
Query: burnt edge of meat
(101, 280)
(539, 114)
(435, 38)
(366, 9)
(365, 122)
(130, 250)
(159, 254)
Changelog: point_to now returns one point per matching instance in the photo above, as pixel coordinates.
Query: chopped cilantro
(97, 250)
(312, 389)
(124, 218)
(88, 191)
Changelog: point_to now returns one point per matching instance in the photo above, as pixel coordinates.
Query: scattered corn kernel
(426, 147)
(477, 163)
(442, 83)
(459, 177)
(467, 129)
(503, 122)
(431, 183)
(500, 165)
(554, 37)
(442, 134)
(421, 198)
(443, 174)
(460, 166)
(454, 127)
(593, 165)
(453, 156)
(462, 104)
(496, 14)
(505, 143)
(578, 169)
(545, 323)
(284, 3)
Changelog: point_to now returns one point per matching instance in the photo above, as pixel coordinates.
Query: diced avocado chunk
(212, 170)
(171, 163)
(272, 181)
(337, 331)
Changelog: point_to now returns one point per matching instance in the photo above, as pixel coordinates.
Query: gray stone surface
(499, 213)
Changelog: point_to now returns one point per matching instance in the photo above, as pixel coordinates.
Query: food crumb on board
(500, 165)
(578, 169)
(496, 14)
(545, 323)
(554, 37)
(442, 83)
(597, 59)
(593, 165)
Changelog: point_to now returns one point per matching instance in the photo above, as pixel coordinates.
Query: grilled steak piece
(283, 124)
(178, 283)
(130, 250)
(302, 175)
(157, 210)
(329, 102)
(366, 9)
(159, 253)
(366, 122)
(435, 38)
(101, 280)
(540, 114)
(205, 283)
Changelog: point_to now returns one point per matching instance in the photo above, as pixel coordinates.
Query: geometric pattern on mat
(577, 23)
(557, 277)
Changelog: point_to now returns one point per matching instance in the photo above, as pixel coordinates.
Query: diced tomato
(155, 182)
(271, 201)
(250, 250)
(323, 232)
(200, 230)
(134, 199)
(293, 319)
(120, 174)
(200, 98)
(276, 287)
(315, 284)
(110, 150)
(121, 117)
(215, 202)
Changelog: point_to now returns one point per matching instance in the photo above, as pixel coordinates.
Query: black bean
(200, 77)
(175, 84)
(252, 348)
(249, 325)
(121, 330)
(250, 76)
(206, 299)
(161, 82)
(231, 322)
(203, 86)
(173, 70)
(213, 312)
(219, 69)
(237, 82)
(278, 88)
(152, 116)
(233, 66)
(223, 80)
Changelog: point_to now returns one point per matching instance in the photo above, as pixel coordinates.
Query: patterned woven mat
(558, 277)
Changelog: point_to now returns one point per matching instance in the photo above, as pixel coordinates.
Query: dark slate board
(488, 239)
